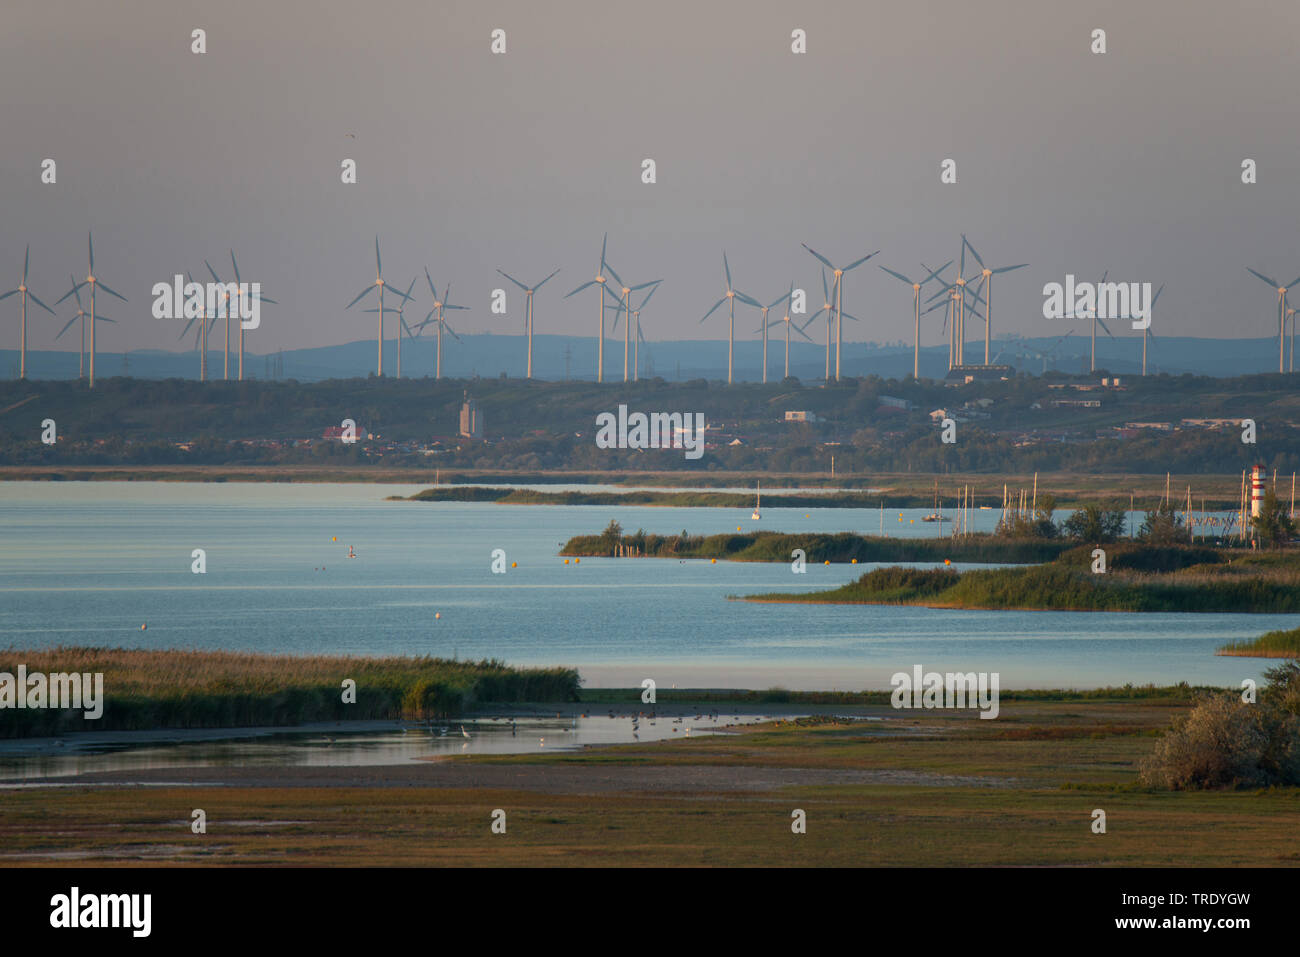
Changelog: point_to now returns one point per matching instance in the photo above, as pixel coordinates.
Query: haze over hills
(490, 355)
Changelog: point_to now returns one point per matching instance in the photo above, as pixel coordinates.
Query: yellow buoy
(827, 562)
(713, 561)
(737, 528)
(577, 561)
(911, 521)
(566, 561)
(947, 562)
(437, 614)
(143, 627)
(855, 561)
(334, 539)
(514, 564)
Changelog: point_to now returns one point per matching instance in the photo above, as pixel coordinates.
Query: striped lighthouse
(1256, 490)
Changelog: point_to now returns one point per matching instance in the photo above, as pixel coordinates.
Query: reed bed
(151, 689)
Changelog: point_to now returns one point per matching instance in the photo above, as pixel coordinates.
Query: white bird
(463, 732)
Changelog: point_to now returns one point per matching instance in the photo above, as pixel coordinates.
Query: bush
(1225, 742)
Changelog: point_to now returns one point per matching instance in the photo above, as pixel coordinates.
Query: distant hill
(490, 355)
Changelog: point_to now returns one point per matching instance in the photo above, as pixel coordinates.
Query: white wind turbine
(377, 284)
(828, 307)
(24, 292)
(435, 315)
(788, 323)
(92, 281)
(401, 323)
(232, 311)
(1147, 333)
(80, 314)
(986, 279)
(200, 337)
(625, 305)
(528, 314)
(1281, 316)
(839, 298)
(730, 298)
(765, 324)
(1092, 362)
(916, 308)
(636, 319)
(600, 280)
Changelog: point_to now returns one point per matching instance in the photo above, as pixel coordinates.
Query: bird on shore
(463, 732)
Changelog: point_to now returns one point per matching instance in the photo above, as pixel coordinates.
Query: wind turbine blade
(945, 291)
(590, 282)
(75, 292)
(181, 336)
(234, 265)
(934, 273)
(72, 291)
(819, 256)
(358, 299)
(937, 305)
(262, 298)
(748, 300)
(409, 333)
(1271, 282)
(90, 250)
(39, 303)
(544, 281)
(801, 332)
(653, 282)
(604, 243)
(617, 316)
(110, 291)
(379, 268)
(826, 293)
(897, 275)
(858, 262)
(1293, 282)
(1008, 268)
(433, 292)
(447, 325)
(961, 270)
(1102, 323)
(105, 319)
(967, 243)
(617, 278)
(69, 324)
(715, 306)
(14, 292)
(449, 306)
(847, 316)
(647, 297)
(778, 299)
(726, 267)
(1157, 295)
(513, 280)
(26, 258)
(394, 289)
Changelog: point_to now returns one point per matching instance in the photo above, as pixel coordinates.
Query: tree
(1095, 523)
(1163, 526)
(1273, 526)
(611, 536)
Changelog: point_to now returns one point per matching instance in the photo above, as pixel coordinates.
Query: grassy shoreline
(1272, 644)
(204, 689)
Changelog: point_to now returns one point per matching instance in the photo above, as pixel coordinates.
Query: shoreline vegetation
(820, 547)
(149, 690)
(1139, 579)
(1273, 644)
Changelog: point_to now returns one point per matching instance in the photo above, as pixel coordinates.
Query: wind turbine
(636, 319)
(959, 312)
(1281, 315)
(1092, 365)
(987, 275)
(954, 304)
(435, 315)
(401, 324)
(1147, 331)
(528, 316)
(91, 280)
(916, 308)
(600, 280)
(201, 337)
(377, 284)
(828, 307)
(839, 298)
(785, 298)
(730, 298)
(234, 313)
(25, 292)
(625, 305)
(80, 314)
(260, 298)
(788, 324)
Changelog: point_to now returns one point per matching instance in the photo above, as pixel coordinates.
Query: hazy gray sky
(1073, 162)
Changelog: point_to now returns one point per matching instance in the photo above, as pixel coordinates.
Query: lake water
(88, 563)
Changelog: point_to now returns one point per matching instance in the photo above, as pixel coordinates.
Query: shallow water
(88, 563)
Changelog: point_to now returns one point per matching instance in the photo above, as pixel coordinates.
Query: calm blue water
(88, 563)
